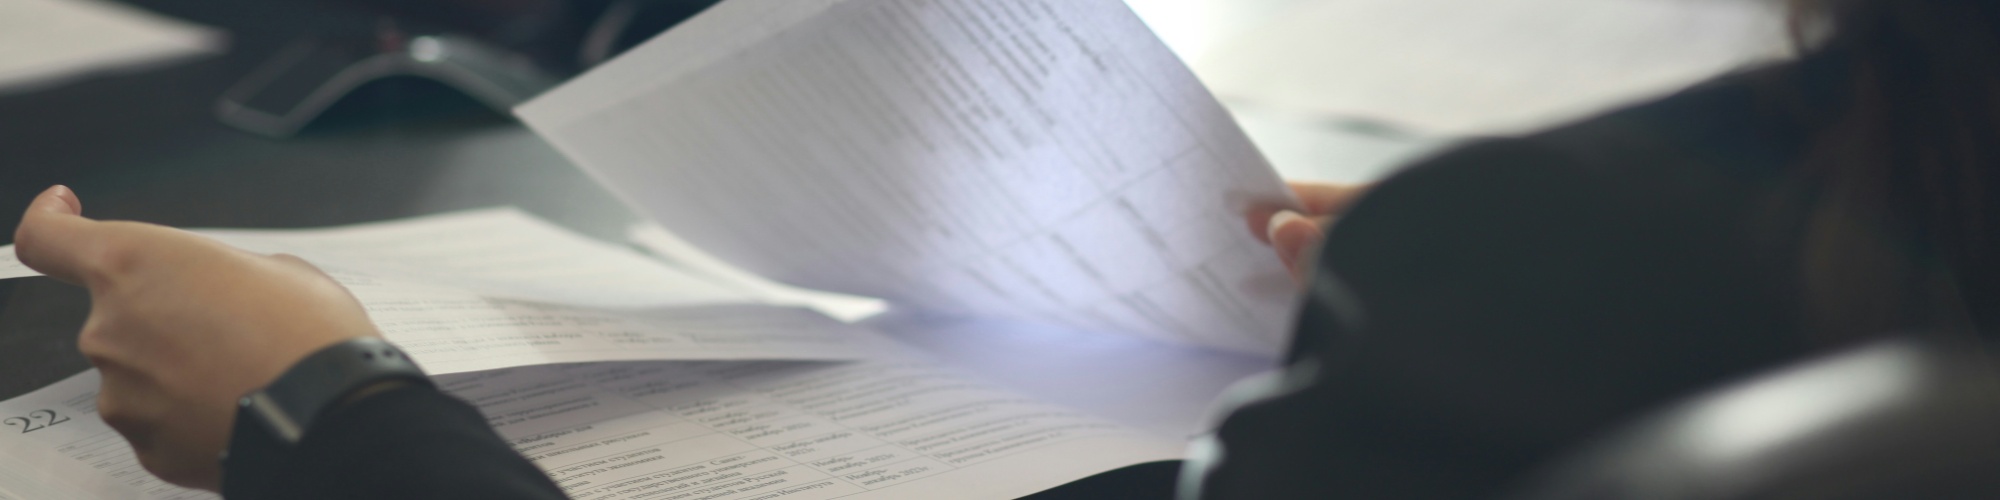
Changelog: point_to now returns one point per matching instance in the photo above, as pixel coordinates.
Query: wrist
(333, 376)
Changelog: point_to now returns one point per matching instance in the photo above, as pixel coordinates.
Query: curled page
(1047, 160)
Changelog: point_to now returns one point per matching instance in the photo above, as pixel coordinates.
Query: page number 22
(36, 420)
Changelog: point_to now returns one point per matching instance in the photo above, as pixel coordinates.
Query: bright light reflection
(1771, 414)
(1186, 25)
(427, 49)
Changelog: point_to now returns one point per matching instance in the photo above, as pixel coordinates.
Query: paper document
(11, 267)
(54, 445)
(1157, 387)
(496, 289)
(43, 42)
(666, 245)
(1048, 160)
(887, 430)
(500, 252)
(878, 430)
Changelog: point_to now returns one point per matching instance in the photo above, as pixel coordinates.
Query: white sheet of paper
(877, 430)
(500, 252)
(44, 42)
(1477, 67)
(451, 331)
(497, 288)
(53, 445)
(1044, 159)
(1158, 387)
(11, 267)
(888, 430)
(1166, 389)
(659, 242)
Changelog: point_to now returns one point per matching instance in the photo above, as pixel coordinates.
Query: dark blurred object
(302, 82)
(1375, 405)
(1898, 420)
(546, 30)
(626, 23)
(564, 36)
(498, 53)
(40, 317)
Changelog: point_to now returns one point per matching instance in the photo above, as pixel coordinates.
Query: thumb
(55, 239)
(1294, 236)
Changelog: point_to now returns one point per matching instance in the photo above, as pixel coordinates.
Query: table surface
(146, 147)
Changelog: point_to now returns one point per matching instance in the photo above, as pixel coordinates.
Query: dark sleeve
(409, 443)
(1515, 303)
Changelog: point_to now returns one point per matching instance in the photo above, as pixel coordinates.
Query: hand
(181, 326)
(1296, 236)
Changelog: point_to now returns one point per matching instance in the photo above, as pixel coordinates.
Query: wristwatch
(271, 421)
(287, 408)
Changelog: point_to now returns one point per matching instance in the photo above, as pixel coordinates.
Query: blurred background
(120, 95)
(1348, 89)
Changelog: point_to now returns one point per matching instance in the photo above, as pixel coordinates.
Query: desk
(145, 147)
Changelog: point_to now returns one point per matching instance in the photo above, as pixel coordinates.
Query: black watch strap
(288, 407)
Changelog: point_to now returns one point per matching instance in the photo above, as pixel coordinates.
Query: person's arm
(182, 326)
(1513, 302)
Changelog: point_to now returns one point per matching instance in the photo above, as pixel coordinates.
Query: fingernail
(67, 197)
(1278, 221)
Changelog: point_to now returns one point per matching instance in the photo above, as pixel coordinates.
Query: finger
(1294, 236)
(1326, 199)
(294, 262)
(68, 198)
(1258, 220)
(55, 239)
(58, 199)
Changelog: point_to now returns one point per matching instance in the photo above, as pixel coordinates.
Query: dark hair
(1903, 167)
